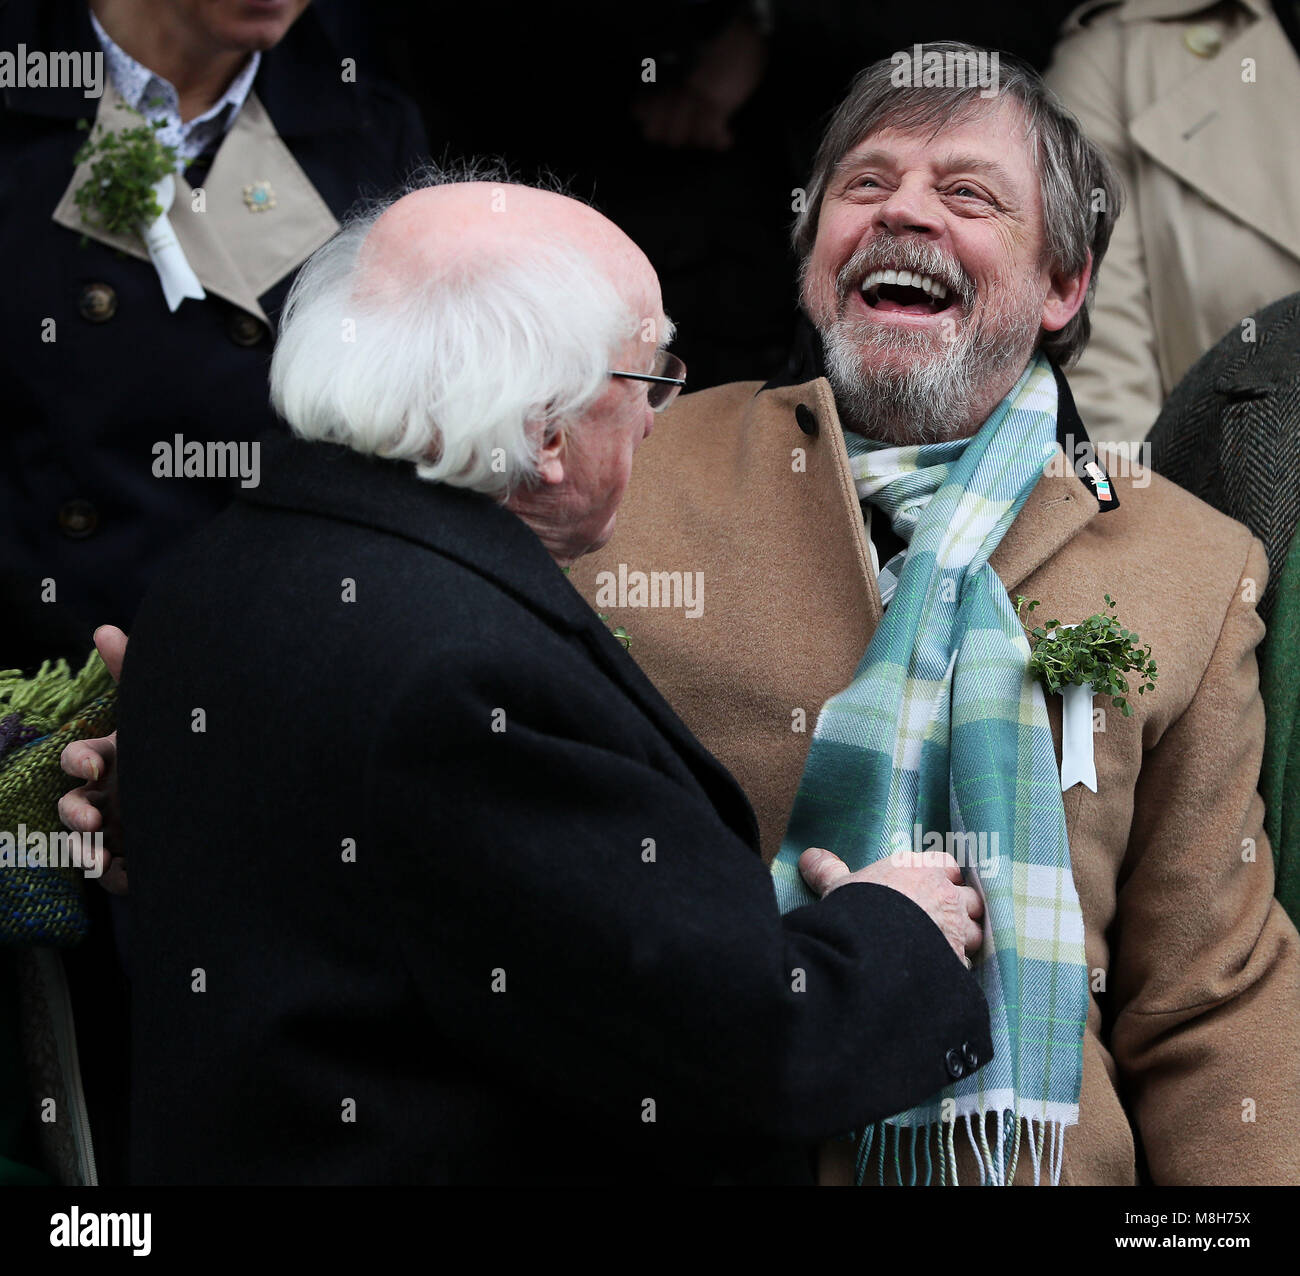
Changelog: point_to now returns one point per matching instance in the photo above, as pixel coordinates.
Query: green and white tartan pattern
(944, 733)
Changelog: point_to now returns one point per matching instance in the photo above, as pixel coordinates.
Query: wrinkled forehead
(935, 130)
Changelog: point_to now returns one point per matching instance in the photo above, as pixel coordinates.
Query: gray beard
(929, 401)
(928, 397)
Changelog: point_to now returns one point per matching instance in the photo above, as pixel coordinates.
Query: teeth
(906, 279)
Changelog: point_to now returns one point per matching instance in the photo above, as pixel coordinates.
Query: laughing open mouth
(905, 291)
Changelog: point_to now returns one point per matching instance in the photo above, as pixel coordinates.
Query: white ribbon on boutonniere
(174, 271)
(1078, 761)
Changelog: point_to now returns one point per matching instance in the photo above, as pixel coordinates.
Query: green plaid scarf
(942, 741)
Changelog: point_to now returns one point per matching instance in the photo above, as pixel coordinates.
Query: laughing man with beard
(863, 526)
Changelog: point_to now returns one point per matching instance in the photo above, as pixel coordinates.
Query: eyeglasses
(666, 380)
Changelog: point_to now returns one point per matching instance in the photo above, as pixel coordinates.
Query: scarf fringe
(49, 699)
(997, 1162)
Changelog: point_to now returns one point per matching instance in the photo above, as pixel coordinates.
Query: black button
(244, 329)
(807, 422)
(970, 1055)
(78, 518)
(97, 303)
(955, 1065)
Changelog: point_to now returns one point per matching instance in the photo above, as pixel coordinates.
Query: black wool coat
(429, 884)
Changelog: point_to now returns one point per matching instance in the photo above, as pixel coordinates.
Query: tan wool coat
(1192, 1049)
(1197, 105)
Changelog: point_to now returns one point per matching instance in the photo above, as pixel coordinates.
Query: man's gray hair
(1081, 192)
(456, 370)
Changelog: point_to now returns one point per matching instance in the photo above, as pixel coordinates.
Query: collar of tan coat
(237, 253)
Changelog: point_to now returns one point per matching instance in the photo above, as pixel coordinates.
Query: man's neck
(156, 35)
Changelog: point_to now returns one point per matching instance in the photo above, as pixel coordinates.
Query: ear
(550, 458)
(1066, 293)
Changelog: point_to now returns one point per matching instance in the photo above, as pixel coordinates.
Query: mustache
(888, 252)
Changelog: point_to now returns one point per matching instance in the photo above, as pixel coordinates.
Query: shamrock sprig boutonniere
(129, 191)
(618, 631)
(1099, 651)
(120, 193)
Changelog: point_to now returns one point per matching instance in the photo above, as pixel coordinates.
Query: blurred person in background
(1194, 104)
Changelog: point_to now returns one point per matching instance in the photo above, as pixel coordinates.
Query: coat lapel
(1058, 509)
(833, 518)
(1195, 131)
(238, 254)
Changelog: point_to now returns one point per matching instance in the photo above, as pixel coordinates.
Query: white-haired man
(493, 914)
(860, 528)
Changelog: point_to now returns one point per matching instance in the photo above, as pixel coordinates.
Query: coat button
(78, 518)
(955, 1064)
(970, 1056)
(244, 329)
(806, 421)
(97, 303)
(1204, 41)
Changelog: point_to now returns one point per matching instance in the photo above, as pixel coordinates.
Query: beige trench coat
(1211, 165)
(1195, 1014)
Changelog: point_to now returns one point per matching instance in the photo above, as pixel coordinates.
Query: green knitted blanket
(41, 898)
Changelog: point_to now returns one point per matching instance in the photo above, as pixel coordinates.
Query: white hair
(455, 371)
